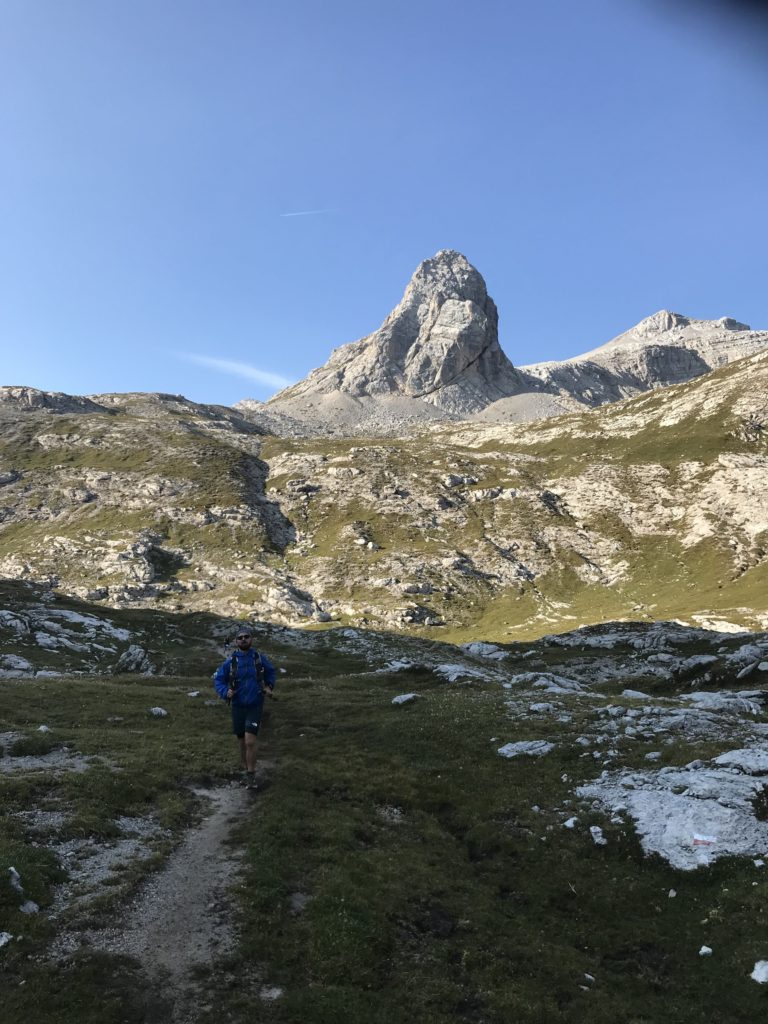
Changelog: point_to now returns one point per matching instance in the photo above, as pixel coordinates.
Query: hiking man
(242, 681)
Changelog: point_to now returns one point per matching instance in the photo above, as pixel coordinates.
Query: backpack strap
(259, 666)
(233, 672)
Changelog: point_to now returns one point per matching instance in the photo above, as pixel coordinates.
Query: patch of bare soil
(62, 759)
(181, 923)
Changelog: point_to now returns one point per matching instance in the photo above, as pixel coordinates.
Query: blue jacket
(244, 681)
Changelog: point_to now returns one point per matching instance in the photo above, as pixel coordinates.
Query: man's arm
(221, 681)
(270, 676)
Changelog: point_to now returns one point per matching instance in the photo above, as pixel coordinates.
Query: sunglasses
(244, 636)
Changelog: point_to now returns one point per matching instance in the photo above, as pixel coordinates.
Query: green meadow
(396, 869)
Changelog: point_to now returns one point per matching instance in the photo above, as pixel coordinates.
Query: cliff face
(440, 345)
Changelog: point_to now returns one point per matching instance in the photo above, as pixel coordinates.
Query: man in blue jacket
(243, 680)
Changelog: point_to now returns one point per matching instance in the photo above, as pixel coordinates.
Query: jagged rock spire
(440, 344)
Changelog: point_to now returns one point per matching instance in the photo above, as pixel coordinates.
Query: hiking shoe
(250, 781)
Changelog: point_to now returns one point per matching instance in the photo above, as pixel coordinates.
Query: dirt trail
(181, 920)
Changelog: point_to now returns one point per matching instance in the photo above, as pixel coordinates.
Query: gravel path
(181, 920)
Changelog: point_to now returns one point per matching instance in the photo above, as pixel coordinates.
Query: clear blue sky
(596, 161)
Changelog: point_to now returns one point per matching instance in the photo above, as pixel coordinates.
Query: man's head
(244, 638)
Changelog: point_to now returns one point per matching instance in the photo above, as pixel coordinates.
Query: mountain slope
(655, 507)
(661, 350)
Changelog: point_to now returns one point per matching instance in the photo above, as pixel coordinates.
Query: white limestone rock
(597, 835)
(665, 348)
(439, 345)
(134, 659)
(526, 748)
(14, 664)
(480, 649)
(691, 816)
(28, 399)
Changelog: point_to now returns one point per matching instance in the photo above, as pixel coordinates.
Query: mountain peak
(451, 272)
(659, 323)
(439, 344)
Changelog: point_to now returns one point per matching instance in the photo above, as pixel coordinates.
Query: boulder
(134, 659)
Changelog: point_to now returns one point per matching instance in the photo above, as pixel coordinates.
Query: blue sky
(595, 161)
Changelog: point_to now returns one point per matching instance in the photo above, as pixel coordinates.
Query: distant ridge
(665, 348)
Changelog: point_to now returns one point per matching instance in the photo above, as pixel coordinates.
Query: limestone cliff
(439, 346)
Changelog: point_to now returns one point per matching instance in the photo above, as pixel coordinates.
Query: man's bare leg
(241, 744)
(250, 752)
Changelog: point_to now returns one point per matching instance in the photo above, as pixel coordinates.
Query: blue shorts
(246, 719)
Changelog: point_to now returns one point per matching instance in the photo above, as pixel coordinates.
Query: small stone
(597, 835)
(269, 993)
(705, 951)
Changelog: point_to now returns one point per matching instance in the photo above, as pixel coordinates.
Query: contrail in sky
(273, 380)
(305, 213)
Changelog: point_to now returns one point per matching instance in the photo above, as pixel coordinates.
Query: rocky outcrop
(27, 399)
(440, 346)
(134, 659)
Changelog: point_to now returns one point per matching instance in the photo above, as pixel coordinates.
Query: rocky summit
(439, 345)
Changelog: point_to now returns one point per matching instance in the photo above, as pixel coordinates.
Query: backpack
(259, 665)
